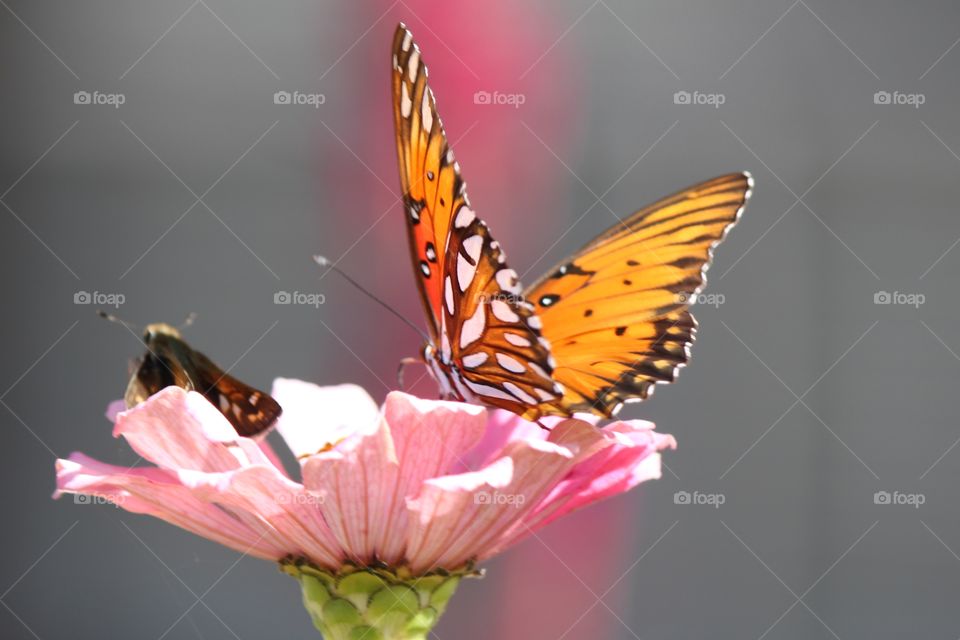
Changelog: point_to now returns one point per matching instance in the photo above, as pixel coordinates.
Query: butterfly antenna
(323, 262)
(109, 317)
(188, 321)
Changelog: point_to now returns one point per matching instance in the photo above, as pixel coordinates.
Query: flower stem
(373, 603)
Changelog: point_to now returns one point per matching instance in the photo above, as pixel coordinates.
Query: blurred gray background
(805, 397)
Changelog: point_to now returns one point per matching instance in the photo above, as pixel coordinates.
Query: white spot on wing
(405, 104)
(472, 329)
(464, 217)
(510, 364)
(507, 279)
(412, 65)
(488, 391)
(465, 272)
(426, 115)
(546, 397)
(516, 340)
(539, 370)
(448, 294)
(534, 323)
(407, 39)
(473, 246)
(474, 360)
(520, 394)
(503, 312)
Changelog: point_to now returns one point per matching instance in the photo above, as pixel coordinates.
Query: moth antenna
(323, 262)
(109, 317)
(188, 321)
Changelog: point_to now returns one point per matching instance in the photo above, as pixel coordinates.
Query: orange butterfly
(597, 331)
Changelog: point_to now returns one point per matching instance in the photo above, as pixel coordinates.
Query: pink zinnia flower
(395, 504)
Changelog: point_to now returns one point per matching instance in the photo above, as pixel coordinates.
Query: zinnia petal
(316, 417)
(159, 493)
(177, 429)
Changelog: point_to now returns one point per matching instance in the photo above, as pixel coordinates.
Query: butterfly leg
(403, 363)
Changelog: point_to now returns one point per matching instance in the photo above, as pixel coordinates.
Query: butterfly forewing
(427, 167)
(170, 361)
(480, 324)
(616, 313)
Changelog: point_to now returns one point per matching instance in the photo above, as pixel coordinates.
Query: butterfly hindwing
(616, 312)
(496, 340)
(170, 361)
(479, 323)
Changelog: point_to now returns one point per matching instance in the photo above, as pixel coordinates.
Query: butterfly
(170, 361)
(599, 330)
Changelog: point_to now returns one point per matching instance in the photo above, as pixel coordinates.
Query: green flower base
(374, 603)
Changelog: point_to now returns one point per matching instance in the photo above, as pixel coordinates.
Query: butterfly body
(599, 330)
(170, 361)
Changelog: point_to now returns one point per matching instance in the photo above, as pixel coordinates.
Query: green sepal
(374, 603)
